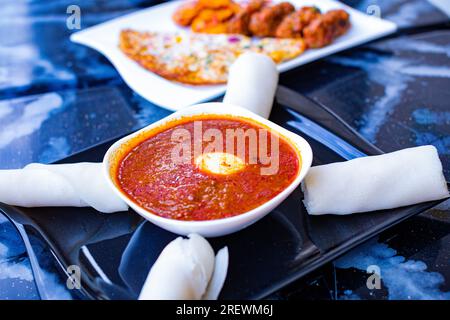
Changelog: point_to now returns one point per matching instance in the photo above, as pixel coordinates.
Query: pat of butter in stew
(219, 163)
(207, 167)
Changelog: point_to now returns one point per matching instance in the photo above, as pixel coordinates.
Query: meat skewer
(262, 19)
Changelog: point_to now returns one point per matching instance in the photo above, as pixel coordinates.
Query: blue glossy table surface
(57, 98)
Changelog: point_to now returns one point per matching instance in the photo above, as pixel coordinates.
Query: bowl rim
(215, 108)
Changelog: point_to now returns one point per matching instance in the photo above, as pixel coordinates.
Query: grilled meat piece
(265, 22)
(322, 30)
(292, 25)
(239, 24)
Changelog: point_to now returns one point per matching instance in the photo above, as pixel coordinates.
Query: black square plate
(116, 251)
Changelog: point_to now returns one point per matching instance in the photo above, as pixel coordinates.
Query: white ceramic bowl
(217, 227)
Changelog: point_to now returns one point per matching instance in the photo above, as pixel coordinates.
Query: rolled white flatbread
(252, 82)
(219, 275)
(184, 270)
(386, 181)
(59, 185)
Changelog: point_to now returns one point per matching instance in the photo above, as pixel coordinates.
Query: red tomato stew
(148, 173)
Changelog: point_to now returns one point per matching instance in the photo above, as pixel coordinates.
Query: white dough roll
(186, 270)
(59, 185)
(386, 181)
(252, 82)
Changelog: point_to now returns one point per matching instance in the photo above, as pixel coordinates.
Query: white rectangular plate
(174, 96)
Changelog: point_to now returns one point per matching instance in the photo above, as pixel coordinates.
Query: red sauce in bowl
(145, 170)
